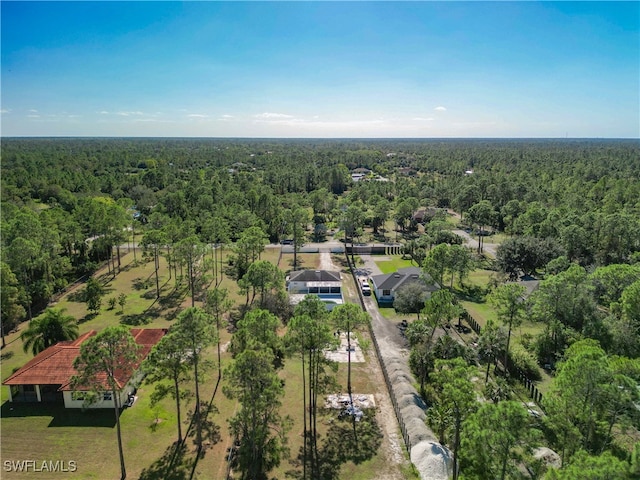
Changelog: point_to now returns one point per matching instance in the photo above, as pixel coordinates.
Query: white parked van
(364, 286)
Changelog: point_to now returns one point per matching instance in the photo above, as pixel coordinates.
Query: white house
(385, 286)
(47, 376)
(324, 283)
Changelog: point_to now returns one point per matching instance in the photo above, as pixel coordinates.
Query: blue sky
(321, 69)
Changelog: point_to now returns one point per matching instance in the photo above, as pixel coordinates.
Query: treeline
(580, 195)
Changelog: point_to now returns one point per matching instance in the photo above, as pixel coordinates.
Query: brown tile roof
(54, 366)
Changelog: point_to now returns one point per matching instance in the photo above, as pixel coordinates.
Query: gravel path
(431, 459)
(487, 248)
(392, 443)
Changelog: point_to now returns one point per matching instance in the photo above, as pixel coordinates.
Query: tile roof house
(47, 376)
(324, 283)
(385, 286)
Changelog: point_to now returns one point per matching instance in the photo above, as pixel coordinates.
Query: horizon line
(3, 137)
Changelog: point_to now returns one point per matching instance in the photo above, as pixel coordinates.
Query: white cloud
(103, 112)
(322, 125)
(197, 115)
(472, 124)
(151, 120)
(422, 119)
(5, 110)
(33, 110)
(33, 116)
(440, 109)
(227, 116)
(270, 115)
(126, 114)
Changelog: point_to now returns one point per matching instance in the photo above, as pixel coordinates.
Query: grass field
(44, 432)
(395, 263)
(473, 299)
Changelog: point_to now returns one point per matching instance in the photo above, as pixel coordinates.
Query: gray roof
(314, 276)
(393, 281)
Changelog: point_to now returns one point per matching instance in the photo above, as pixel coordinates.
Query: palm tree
(508, 300)
(48, 329)
(491, 343)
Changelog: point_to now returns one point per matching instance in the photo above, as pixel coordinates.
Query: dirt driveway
(428, 456)
(392, 443)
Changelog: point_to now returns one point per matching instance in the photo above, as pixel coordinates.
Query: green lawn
(480, 311)
(333, 432)
(44, 432)
(396, 262)
(47, 432)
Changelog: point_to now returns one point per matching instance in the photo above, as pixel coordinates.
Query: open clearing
(44, 432)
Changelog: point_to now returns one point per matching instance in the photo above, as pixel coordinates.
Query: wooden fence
(514, 371)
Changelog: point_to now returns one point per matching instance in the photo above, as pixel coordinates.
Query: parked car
(366, 289)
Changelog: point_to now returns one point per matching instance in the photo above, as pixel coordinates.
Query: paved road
(387, 332)
(431, 459)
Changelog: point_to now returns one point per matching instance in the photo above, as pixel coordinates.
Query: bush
(527, 341)
(525, 362)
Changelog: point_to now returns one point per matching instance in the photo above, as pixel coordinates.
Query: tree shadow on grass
(339, 447)
(472, 293)
(87, 317)
(136, 319)
(211, 432)
(140, 283)
(6, 355)
(340, 261)
(172, 465)
(77, 296)
(174, 299)
(300, 263)
(149, 294)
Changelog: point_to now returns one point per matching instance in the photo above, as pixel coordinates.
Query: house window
(313, 290)
(335, 289)
(386, 293)
(78, 396)
(107, 396)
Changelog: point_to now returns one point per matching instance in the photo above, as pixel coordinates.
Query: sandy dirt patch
(341, 355)
(325, 262)
(341, 400)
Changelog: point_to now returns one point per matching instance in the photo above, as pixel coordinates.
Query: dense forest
(569, 211)
(583, 195)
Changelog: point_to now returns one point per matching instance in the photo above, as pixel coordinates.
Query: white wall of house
(316, 288)
(298, 287)
(384, 295)
(76, 400)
